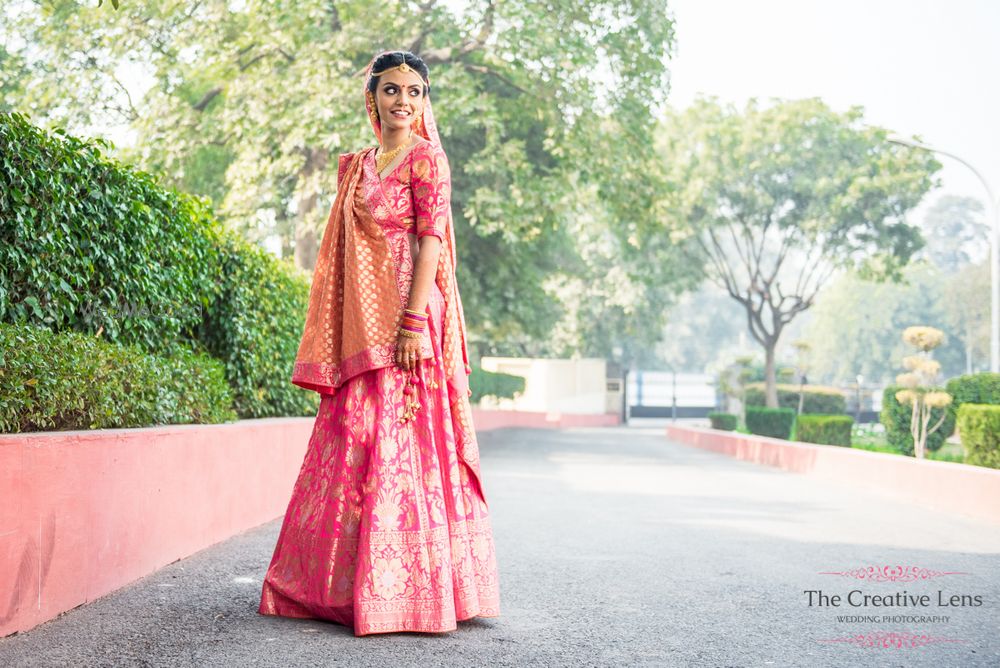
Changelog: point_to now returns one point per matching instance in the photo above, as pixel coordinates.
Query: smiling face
(399, 92)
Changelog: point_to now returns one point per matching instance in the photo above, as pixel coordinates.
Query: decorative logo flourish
(891, 640)
(892, 573)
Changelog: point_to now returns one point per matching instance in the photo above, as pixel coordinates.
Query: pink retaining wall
(957, 488)
(83, 513)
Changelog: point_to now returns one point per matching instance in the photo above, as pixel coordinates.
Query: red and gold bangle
(415, 314)
(413, 323)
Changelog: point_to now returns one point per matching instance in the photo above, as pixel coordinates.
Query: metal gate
(670, 394)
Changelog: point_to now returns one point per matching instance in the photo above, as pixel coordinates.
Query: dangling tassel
(410, 403)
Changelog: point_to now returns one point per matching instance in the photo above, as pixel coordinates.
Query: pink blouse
(418, 189)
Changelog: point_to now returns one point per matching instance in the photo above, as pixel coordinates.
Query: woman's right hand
(407, 352)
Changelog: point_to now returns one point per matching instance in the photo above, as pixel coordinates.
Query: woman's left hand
(407, 352)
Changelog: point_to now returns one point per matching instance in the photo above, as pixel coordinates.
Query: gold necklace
(385, 158)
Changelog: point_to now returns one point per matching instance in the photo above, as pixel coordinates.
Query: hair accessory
(402, 67)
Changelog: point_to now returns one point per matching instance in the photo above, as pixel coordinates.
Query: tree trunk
(770, 378)
(306, 237)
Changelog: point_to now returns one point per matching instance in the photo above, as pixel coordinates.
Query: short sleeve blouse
(430, 180)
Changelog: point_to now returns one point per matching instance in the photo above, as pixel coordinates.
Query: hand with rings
(407, 352)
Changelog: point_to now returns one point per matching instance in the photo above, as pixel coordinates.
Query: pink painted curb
(957, 488)
(83, 513)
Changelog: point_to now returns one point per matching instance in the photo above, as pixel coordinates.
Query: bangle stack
(414, 323)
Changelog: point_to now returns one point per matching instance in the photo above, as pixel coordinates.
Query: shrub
(88, 243)
(74, 381)
(816, 399)
(775, 422)
(896, 419)
(91, 245)
(724, 421)
(254, 326)
(979, 425)
(824, 429)
(493, 384)
(974, 388)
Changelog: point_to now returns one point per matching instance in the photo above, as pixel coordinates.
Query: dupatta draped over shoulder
(356, 300)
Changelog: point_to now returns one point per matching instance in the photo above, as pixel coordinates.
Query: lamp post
(993, 211)
(857, 414)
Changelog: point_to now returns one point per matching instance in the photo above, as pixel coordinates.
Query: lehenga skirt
(386, 529)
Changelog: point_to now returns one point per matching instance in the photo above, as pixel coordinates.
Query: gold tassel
(410, 402)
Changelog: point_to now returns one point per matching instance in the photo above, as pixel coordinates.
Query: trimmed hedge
(973, 388)
(824, 429)
(254, 326)
(979, 425)
(74, 381)
(723, 421)
(91, 245)
(816, 399)
(88, 243)
(493, 384)
(896, 418)
(775, 422)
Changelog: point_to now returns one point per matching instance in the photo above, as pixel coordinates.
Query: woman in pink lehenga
(388, 528)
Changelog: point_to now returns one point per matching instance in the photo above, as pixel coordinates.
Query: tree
(774, 200)
(855, 324)
(251, 105)
(918, 382)
(956, 236)
(966, 305)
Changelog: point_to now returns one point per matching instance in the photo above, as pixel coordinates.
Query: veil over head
(354, 308)
(428, 129)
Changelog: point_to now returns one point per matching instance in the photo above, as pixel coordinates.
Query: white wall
(553, 385)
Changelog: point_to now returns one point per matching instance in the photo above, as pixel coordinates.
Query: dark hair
(394, 58)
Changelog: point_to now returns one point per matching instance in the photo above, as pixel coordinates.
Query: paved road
(615, 547)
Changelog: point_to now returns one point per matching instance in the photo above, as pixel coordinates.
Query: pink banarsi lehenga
(387, 528)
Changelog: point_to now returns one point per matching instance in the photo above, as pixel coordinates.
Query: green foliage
(826, 187)
(815, 399)
(856, 325)
(492, 384)
(544, 202)
(825, 429)
(896, 419)
(73, 381)
(90, 245)
(724, 421)
(979, 425)
(774, 422)
(254, 325)
(973, 388)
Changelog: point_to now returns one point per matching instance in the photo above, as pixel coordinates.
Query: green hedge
(979, 425)
(973, 388)
(723, 421)
(824, 429)
(87, 243)
(91, 245)
(74, 381)
(254, 326)
(896, 418)
(493, 384)
(776, 422)
(825, 400)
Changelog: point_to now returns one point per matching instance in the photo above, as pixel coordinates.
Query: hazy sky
(919, 67)
(923, 67)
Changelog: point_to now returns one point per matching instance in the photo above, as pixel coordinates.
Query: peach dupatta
(355, 307)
